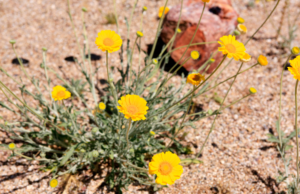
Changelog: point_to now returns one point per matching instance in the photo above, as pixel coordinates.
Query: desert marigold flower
(102, 106)
(295, 50)
(195, 55)
(166, 167)
(195, 78)
(152, 133)
(246, 58)
(108, 40)
(133, 107)
(252, 90)
(240, 20)
(205, 1)
(295, 67)
(262, 60)
(60, 93)
(231, 47)
(242, 28)
(161, 9)
(53, 183)
(139, 34)
(11, 146)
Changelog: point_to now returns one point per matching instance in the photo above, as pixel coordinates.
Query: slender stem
(127, 133)
(213, 124)
(180, 126)
(191, 39)
(107, 71)
(190, 93)
(76, 37)
(116, 16)
(297, 133)
(21, 63)
(92, 85)
(130, 65)
(263, 22)
(157, 33)
(280, 94)
(129, 24)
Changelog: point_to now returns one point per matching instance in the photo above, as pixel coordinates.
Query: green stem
(263, 22)
(76, 37)
(127, 133)
(130, 65)
(297, 133)
(116, 16)
(190, 93)
(157, 33)
(188, 108)
(280, 95)
(213, 124)
(129, 24)
(92, 84)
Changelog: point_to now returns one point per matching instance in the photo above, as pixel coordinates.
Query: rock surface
(219, 18)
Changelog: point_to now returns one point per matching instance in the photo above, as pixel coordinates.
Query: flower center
(196, 77)
(108, 42)
(61, 94)
(132, 109)
(231, 48)
(165, 168)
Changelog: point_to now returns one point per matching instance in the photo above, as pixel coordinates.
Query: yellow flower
(242, 28)
(252, 90)
(295, 69)
(212, 60)
(262, 60)
(11, 146)
(53, 183)
(145, 8)
(133, 107)
(195, 55)
(195, 78)
(161, 9)
(155, 61)
(102, 106)
(246, 58)
(178, 30)
(295, 50)
(108, 40)
(166, 167)
(205, 1)
(257, 1)
(231, 47)
(60, 93)
(139, 34)
(152, 133)
(240, 20)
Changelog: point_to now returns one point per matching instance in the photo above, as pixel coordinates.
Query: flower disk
(166, 167)
(161, 9)
(262, 60)
(242, 28)
(133, 107)
(108, 40)
(231, 47)
(195, 78)
(53, 183)
(246, 58)
(60, 93)
(102, 106)
(295, 69)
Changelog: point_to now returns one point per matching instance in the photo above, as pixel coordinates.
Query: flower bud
(252, 90)
(12, 42)
(139, 34)
(11, 146)
(236, 32)
(84, 9)
(44, 49)
(95, 154)
(295, 50)
(53, 183)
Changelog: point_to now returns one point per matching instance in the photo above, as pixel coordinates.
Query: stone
(219, 19)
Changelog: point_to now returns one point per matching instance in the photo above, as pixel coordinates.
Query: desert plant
(138, 118)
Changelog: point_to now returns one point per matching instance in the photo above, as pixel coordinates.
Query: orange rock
(219, 19)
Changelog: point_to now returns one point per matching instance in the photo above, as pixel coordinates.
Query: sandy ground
(237, 158)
